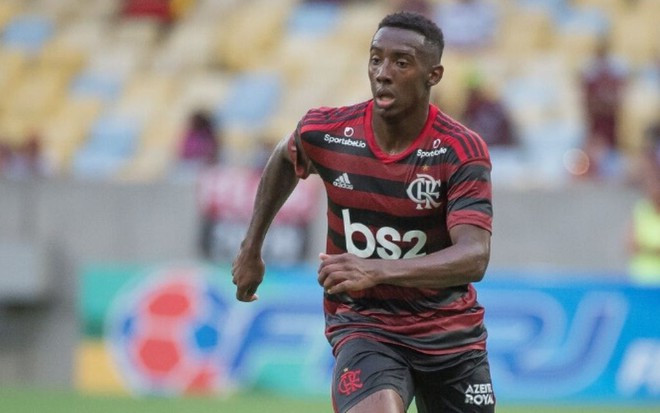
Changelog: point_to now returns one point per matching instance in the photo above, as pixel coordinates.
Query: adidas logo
(342, 181)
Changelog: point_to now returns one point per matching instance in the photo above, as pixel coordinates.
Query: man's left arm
(465, 261)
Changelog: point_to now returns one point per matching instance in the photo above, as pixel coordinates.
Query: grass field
(30, 401)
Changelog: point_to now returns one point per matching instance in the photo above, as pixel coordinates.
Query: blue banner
(178, 328)
(561, 339)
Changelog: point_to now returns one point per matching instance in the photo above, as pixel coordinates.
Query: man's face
(401, 71)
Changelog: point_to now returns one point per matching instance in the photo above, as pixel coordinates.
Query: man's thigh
(464, 386)
(364, 367)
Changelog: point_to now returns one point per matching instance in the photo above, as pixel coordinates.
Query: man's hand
(346, 272)
(247, 274)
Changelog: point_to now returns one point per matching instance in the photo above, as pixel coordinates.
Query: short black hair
(418, 23)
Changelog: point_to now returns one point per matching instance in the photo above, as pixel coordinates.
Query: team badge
(425, 192)
(349, 382)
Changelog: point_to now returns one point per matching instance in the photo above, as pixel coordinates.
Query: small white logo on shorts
(480, 394)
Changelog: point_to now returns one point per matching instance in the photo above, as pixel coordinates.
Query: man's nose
(384, 72)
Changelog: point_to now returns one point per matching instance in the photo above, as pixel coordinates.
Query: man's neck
(395, 135)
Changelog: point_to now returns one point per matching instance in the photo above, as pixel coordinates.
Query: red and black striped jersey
(396, 207)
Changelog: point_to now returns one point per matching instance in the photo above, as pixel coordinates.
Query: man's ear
(435, 75)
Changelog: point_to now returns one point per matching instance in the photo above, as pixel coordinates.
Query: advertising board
(177, 329)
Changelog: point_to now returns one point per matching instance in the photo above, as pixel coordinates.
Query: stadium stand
(108, 91)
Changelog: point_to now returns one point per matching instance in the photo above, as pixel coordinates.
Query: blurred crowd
(141, 90)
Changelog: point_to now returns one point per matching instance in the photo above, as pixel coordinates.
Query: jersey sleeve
(301, 163)
(470, 195)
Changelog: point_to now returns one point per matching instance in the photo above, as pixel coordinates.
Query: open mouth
(384, 99)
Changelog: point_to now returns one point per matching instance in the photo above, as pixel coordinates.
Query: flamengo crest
(425, 191)
(349, 382)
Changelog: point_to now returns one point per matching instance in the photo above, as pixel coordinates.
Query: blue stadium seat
(91, 165)
(313, 19)
(584, 20)
(526, 91)
(103, 86)
(251, 100)
(556, 8)
(27, 33)
(112, 141)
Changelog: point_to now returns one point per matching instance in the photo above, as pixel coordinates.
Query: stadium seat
(641, 106)
(27, 32)
(141, 31)
(38, 91)
(7, 12)
(554, 8)
(357, 23)
(114, 134)
(84, 34)
(252, 63)
(247, 43)
(104, 86)
(188, 48)
(611, 7)
(64, 131)
(251, 100)
(15, 129)
(584, 19)
(61, 57)
(119, 59)
(112, 141)
(156, 151)
(13, 64)
(313, 19)
(537, 26)
(578, 33)
(145, 95)
(203, 89)
(635, 35)
(96, 10)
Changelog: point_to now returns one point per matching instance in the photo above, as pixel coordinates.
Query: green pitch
(30, 401)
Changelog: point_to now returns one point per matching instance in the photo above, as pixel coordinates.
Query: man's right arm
(277, 182)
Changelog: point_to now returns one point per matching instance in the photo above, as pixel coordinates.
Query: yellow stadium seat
(576, 47)
(146, 94)
(62, 57)
(255, 29)
(525, 32)
(189, 47)
(8, 10)
(635, 35)
(37, 92)
(641, 107)
(156, 151)
(13, 64)
(67, 128)
(14, 130)
(358, 21)
(201, 90)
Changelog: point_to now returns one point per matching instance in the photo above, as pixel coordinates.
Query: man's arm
(277, 182)
(463, 262)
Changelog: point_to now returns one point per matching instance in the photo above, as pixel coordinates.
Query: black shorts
(455, 383)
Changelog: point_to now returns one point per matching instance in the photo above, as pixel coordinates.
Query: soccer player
(409, 227)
